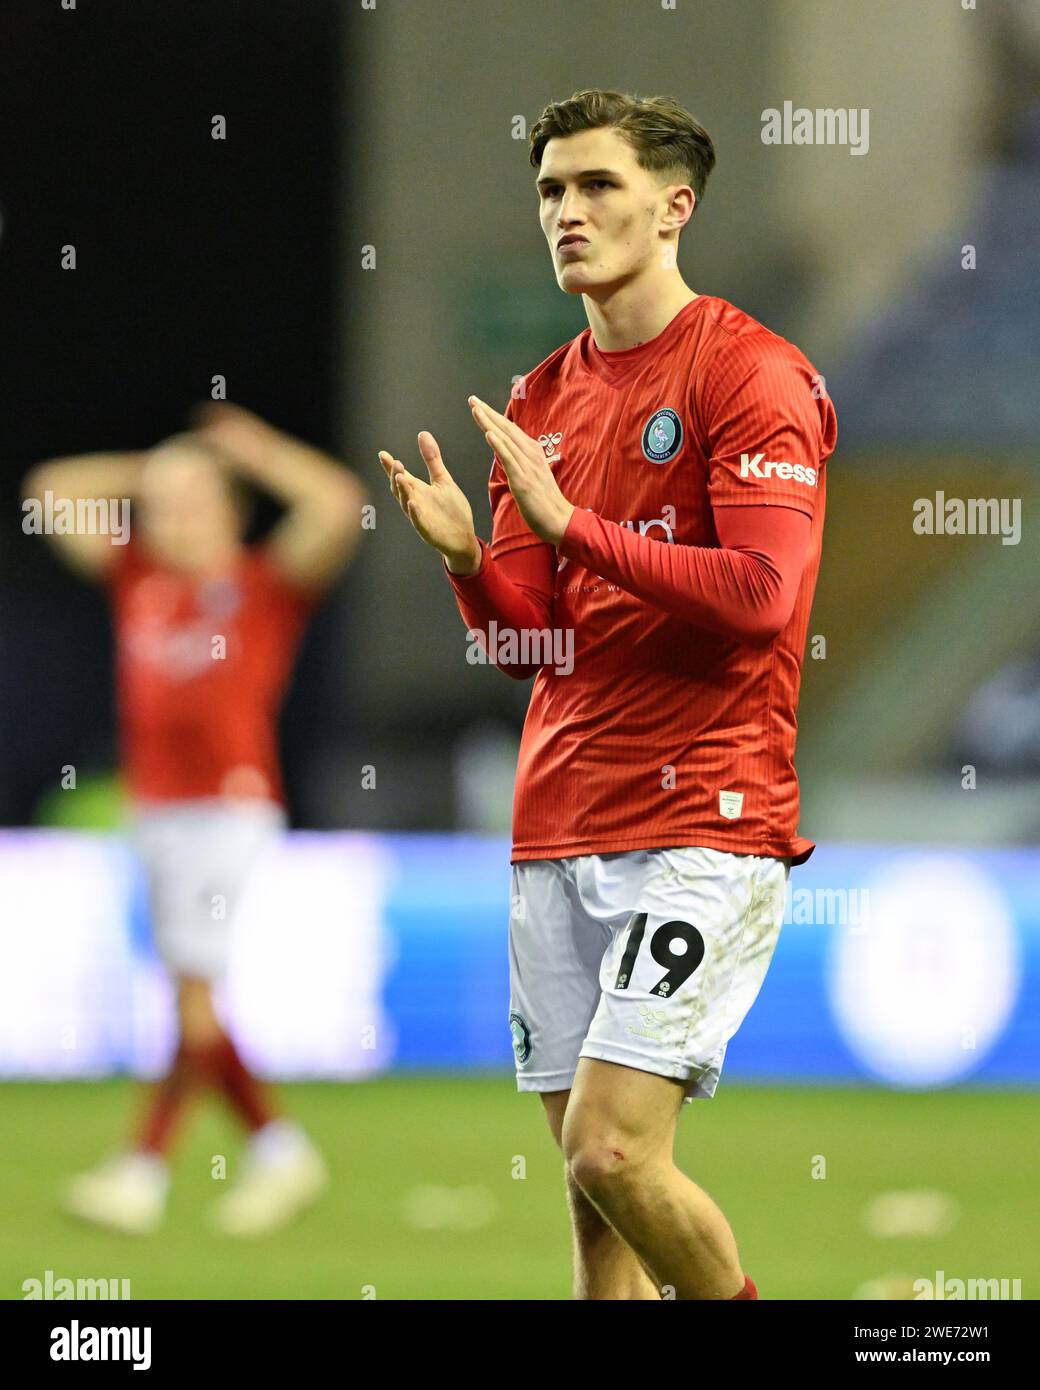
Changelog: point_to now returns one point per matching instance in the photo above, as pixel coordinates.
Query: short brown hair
(663, 134)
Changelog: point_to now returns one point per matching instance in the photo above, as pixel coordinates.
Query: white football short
(197, 856)
(648, 958)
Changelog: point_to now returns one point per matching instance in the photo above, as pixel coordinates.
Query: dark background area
(247, 258)
(195, 257)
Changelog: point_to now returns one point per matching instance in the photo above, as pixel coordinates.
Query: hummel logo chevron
(797, 472)
(549, 443)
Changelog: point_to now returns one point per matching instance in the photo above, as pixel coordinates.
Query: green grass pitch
(427, 1199)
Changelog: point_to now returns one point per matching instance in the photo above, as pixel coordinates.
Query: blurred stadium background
(897, 1035)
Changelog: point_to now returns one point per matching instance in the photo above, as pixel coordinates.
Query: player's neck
(219, 563)
(636, 312)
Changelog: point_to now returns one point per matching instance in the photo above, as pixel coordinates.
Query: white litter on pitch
(449, 1208)
(918, 1213)
(888, 1287)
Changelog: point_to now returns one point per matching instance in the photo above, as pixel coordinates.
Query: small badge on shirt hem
(731, 804)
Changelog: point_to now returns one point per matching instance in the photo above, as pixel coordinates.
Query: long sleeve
(745, 588)
(515, 591)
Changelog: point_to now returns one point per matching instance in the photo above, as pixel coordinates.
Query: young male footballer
(657, 488)
(206, 631)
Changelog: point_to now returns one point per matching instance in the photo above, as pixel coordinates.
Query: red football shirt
(665, 732)
(202, 665)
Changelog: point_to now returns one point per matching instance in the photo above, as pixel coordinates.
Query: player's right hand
(438, 510)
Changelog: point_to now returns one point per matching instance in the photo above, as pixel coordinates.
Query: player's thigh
(687, 959)
(554, 1104)
(616, 1104)
(230, 839)
(619, 1114)
(196, 858)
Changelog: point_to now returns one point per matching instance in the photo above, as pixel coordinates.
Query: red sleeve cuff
(577, 534)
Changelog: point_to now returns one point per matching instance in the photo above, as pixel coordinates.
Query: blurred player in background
(206, 629)
(657, 493)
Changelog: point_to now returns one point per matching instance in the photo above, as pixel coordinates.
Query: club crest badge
(521, 1037)
(662, 436)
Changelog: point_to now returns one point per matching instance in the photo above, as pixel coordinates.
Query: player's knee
(198, 1020)
(598, 1163)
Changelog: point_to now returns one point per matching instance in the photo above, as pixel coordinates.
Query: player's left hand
(542, 505)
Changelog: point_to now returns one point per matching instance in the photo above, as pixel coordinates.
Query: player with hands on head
(198, 740)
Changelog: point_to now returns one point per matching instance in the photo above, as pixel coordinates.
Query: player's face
(185, 509)
(591, 187)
